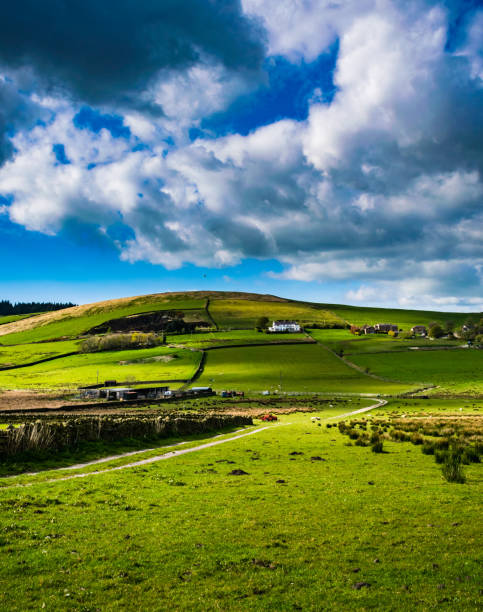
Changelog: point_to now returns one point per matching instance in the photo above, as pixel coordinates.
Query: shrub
(353, 434)
(470, 455)
(440, 456)
(377, 447)
(452, 470)
(417, 439)
(428, 448)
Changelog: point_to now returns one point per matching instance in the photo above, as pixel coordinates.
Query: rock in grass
(280, 481)
(238, 473)
(359, 585)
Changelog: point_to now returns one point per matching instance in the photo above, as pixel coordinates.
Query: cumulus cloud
(109, 51)
(382, 185)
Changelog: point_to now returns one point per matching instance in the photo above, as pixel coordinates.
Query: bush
(428, 448)
(440, 456)
(452, 469)
(470, 455)
(377, 447)
(417, 439)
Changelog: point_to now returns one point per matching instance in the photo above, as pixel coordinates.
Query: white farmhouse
(285, 326)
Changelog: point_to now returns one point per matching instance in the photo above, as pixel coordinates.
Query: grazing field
(227, 338)
(459, 371)
(26, 353)
(310, 524)
(231, 313)
(405, 319)
(342, 340)
(294, 368)
(143, 364)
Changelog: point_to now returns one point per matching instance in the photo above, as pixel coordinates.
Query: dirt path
(171, 454)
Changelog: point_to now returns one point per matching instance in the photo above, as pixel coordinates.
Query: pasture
(227, 338)
(404, 319)
(457, 371)
(159, 363)
(309, 368)
(244, 313)
(310, 524)
(27, 353)
(342, 340)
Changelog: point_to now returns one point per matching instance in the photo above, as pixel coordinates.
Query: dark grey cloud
(108, 50)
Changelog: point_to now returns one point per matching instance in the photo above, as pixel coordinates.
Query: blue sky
(312, 150)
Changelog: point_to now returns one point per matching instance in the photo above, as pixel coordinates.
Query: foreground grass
(159, 363)
(184, 534)
(455, 372)
(297, 368)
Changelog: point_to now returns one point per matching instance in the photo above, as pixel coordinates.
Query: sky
(326, 150)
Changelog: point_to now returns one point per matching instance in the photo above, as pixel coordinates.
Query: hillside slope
(227, 310)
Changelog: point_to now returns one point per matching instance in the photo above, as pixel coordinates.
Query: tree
(262, 323)
(436, 331)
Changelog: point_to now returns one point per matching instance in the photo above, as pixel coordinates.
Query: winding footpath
(168, 455)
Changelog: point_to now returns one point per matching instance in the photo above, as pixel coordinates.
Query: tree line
(7, 308)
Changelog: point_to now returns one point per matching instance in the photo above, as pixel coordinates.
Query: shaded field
(143, 364)
(295, 368)
(227, 338)
(295, 529)
(459, 371)
(342, 340)
(245, 313)
(26, 353)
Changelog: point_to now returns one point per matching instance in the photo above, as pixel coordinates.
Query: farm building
(384, 328)
(419, 330)
(124, 393)
(285, 326)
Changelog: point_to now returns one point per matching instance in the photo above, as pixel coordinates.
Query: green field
(405, 319)
(293, 533)
(227, 338)
(342, 340)
(26, 353)
(158, 363)
(75, 321)
(456, 371)
(297, 368)
(235, 314)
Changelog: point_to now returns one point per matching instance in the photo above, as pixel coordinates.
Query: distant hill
(223, 309)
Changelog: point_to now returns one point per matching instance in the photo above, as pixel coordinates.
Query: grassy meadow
(298, 368)
(227, 338)
(26, 353)
(405, 319)
(342, 340)
(312, 524)
(232, 313)
(143, 364)
(455, 372)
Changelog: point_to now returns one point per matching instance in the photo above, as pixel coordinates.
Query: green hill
(225, 310)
